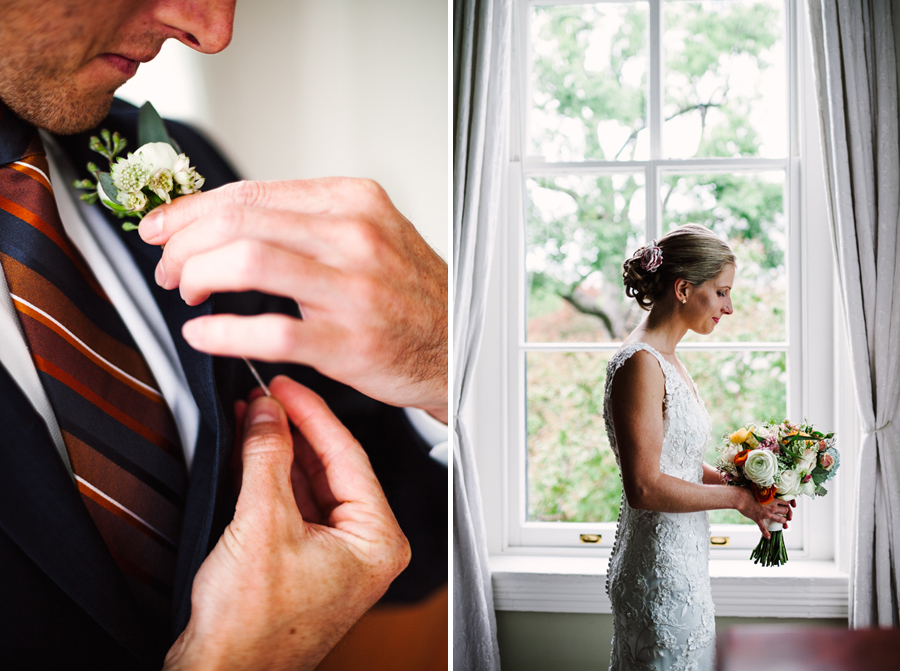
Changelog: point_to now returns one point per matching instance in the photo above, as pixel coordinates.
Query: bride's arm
(636, 404)
(711, 476)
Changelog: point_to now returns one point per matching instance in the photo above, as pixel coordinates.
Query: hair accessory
(651, 257)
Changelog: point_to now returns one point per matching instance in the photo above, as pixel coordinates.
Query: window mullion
(652, 175)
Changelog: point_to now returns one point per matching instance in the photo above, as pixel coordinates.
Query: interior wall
(309, 89)
(581, 642)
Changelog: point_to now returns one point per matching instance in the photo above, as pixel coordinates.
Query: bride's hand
(777, 510)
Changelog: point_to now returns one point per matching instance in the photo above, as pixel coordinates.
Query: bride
(658, 580)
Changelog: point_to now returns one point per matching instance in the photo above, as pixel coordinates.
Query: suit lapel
(41, 510)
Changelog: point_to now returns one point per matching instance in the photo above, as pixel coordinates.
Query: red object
(798, 648)
(741, 457)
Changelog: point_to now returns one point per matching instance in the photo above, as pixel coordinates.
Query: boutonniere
(154, 174)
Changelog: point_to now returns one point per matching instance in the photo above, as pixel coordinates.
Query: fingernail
(151, 226)
(263, 409)
(160, 274)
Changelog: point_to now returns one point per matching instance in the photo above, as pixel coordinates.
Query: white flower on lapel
(154, 174)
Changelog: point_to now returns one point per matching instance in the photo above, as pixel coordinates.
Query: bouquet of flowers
(778, 460)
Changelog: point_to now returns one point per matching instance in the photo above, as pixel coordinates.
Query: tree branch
(588, 309)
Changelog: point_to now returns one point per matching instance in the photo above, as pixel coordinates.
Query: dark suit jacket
(62, 599)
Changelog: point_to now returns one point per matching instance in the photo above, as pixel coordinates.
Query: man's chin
(67, 118)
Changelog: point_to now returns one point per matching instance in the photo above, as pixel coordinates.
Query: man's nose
(204, 25)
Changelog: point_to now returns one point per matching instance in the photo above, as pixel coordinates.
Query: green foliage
(564, 84)
(572, 473)
(151, 127)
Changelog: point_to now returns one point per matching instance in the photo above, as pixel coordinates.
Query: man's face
(61, 61)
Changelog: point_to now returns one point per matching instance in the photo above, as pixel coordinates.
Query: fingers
(246, 265)
(325, 239)
(334, 195)
(341, 460)
(268, 337)
(267, 454)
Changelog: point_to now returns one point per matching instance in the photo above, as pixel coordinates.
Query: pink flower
(806, 478)
(651, 258)
(822, 446)
(826, 461)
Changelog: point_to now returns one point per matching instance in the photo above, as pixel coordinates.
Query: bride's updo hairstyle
(690, 252)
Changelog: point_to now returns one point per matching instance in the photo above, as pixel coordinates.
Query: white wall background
(313, 88)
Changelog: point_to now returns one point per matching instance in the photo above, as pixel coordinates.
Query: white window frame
(538, 569)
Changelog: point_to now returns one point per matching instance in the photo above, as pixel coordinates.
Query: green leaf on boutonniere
(109, 189)
(151, 127)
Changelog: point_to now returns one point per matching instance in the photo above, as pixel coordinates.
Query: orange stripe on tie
(36, 174)
(137, 385)
(30, 218)
(122, 512)
(58, 373)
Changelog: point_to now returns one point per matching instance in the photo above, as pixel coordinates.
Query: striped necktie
(118, 431)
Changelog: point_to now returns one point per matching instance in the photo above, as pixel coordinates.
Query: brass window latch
(720, 541)
(591, 538)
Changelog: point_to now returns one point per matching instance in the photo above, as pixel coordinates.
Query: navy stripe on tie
(131, 451)
(57, 268)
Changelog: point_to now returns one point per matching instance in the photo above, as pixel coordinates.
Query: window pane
(589, 82)
(737, 388)
(724, 79)
(746, 210)
(572, 473)
(579, 231)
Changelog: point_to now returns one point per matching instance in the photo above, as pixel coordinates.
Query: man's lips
(126, 66)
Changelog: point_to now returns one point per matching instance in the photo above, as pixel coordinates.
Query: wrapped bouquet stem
(782, 461)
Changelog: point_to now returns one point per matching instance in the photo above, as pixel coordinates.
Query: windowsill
(801, 588)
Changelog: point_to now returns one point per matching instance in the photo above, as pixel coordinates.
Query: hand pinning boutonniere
(154, 174)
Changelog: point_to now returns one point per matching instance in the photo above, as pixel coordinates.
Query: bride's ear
(681, 290)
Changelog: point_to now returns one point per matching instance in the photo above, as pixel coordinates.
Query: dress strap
(626, 352)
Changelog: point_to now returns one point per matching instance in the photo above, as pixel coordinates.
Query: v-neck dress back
(658, 579)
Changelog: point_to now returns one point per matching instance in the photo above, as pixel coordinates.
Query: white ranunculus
(788, 485)
(807, 489)
(761, 467)
(157, 156)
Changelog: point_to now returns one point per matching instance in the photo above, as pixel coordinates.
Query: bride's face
(707, 303)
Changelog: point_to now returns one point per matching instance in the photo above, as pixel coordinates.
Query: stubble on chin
(47, 95)
(60, 110)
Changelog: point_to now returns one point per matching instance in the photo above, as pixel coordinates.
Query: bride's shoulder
(636, 363)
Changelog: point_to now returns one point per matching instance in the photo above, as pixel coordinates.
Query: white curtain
(481, 39)
(855, 56)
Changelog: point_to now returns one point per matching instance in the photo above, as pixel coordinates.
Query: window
(629, 118)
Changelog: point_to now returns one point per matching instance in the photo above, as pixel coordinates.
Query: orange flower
(741, 457)
(764, 494)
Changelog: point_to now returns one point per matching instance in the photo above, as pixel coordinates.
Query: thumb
(267, 454)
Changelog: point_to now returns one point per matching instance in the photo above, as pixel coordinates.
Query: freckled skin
(53, 72)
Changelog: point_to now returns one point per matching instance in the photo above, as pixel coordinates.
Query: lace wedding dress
(658, 580)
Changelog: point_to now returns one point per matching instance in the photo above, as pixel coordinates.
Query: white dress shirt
(120, 278)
